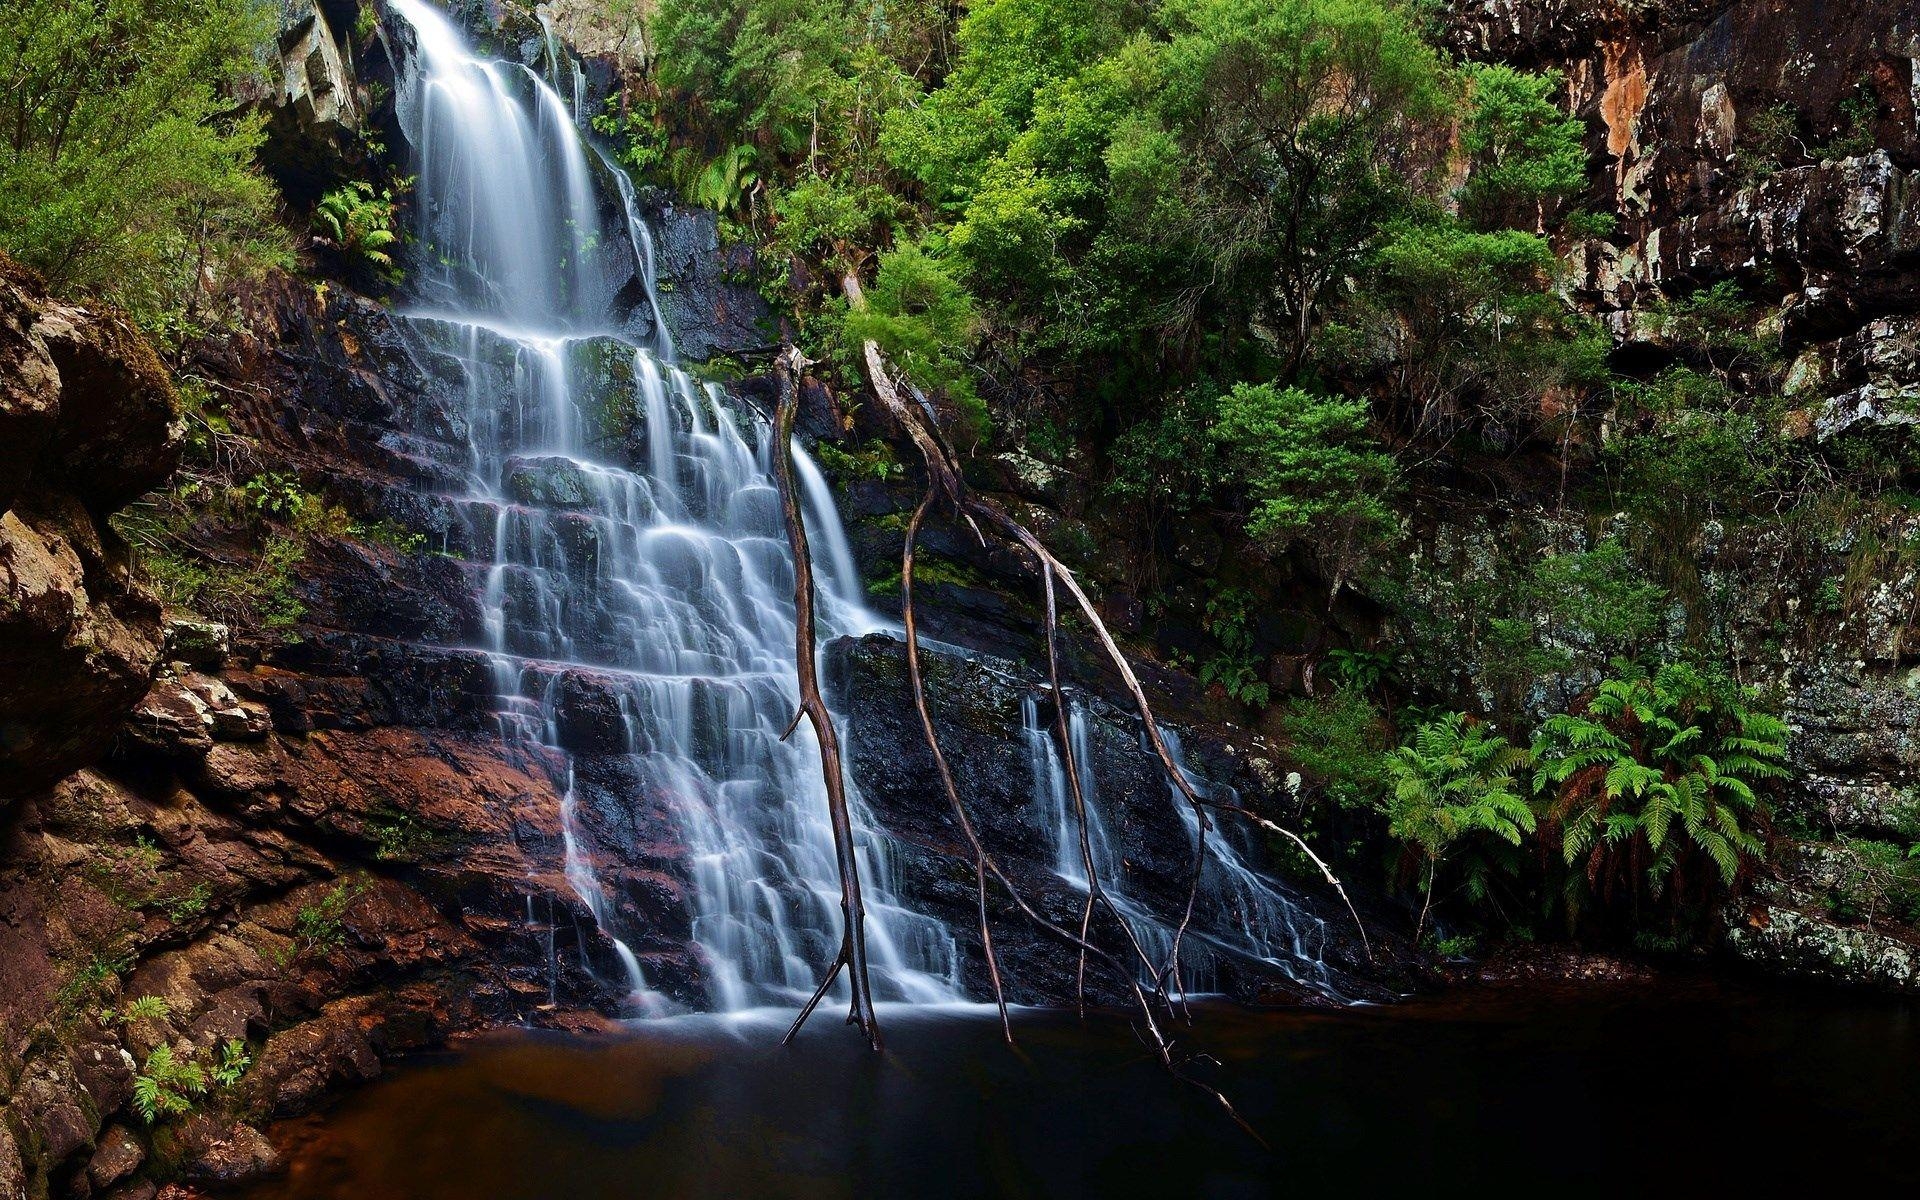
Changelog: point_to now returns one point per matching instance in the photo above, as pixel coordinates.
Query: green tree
(1007, 53)
(1310, 470)
(124, 171)
(1454, 794)
(925, 322)
(1523, 153)
(1307, 127)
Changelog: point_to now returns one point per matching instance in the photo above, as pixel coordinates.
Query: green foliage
(358, 222)
(389, 533)
(1362, 669)
(1454, 795)
(125, 171)
(1313, 124)
(1655, 784)
(320, 928)
(172, 1085)
(1340, 741)
(1853, 133)
(230, 1063)
(185, 906)
(1767, 137)
(140, 1008)
(167, 1085)
(398, 837)
(924, 320)
(1236, 668)
(875, 460)
(279, 521)
(1167, 464)
(1876, 880)
(1008, 52)
(1310, 470)
(1463, 323)
(92, 976)
(1522, 152)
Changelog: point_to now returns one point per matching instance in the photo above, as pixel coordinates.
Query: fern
(358, 222)
(1658, 773)
(1454, 795)
(167, 1085)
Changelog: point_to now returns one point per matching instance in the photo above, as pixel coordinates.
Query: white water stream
(667, 590)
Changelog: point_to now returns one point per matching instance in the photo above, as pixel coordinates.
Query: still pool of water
(1701, 1090)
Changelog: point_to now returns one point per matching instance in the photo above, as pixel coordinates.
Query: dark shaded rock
(224, 1154)
(118, 1155)
(709, 313)
(317, 109)
(588, 712)
(977, 705)
(119, 431)
(88, 416)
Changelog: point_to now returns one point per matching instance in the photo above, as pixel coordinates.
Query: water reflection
(1706, 1091)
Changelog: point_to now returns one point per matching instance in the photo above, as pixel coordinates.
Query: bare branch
(853, 942)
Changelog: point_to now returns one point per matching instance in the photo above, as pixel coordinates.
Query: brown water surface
(1705, 1091)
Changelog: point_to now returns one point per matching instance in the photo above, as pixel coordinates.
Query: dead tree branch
(853, 941)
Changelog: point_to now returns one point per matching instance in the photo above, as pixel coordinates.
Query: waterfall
(639, 601)
(1240, 914)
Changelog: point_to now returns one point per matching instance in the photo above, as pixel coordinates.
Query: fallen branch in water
(853, 941)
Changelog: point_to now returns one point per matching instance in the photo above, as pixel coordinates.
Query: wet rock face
(977, 704)
(88, 421)
(1673, 92)
(709, 313)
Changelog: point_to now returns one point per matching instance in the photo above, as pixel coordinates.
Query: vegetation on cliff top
(126, 169)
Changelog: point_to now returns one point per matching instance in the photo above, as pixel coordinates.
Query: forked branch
(853, 941)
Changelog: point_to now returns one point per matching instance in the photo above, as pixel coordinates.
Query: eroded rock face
(88, 421)
(977, 707)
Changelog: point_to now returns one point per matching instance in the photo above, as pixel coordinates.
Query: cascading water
(1240, 913)
(659, 580)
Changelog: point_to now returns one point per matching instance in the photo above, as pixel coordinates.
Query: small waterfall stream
(1239, 914)
(661, 593)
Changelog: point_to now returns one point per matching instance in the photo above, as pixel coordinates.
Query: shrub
(1310, 470)
(127, 171)
(1652, 789)
(1340, 741)
(924, 320)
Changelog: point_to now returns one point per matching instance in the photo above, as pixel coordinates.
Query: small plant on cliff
(1877, 880)
(320, 928)
(1455, 796)
(1236, 668)
(1853, 125)
(357, 221)
(1766, 139)
(140, 1008)
(168, 1085)
(171, 1085)
(1652, 787)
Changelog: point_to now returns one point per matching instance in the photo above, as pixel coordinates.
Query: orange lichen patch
(1625, 96)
